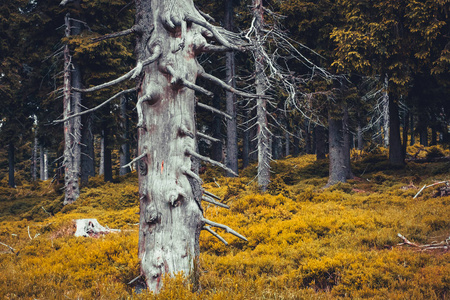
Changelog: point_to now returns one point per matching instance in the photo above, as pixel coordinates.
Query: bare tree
(170, 35)
(72, 127)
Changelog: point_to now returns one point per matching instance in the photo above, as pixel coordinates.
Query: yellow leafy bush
(304, 242)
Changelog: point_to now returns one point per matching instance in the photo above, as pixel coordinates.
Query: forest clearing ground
(305, 242)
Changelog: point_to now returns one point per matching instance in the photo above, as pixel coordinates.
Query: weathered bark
(43, 163)
(11, 164)
(125, 147)
(170, 193)
(260, 83)
(232, 141)
(395, 145)
(72, 127)
(320, 142)
(101, 169)
(88, 153)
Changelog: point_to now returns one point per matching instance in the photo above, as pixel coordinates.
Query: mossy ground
(305, 242)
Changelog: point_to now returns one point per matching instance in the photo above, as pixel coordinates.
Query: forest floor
(304, 241)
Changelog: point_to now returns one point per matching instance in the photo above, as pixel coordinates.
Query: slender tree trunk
(246, 140)
(347, 139)
(43, 163)
(125, 147)
(217, 147)
(320, 142)
(287, 151)
(297, 142)
(395, 144)
(386, 113)
(72, 128)
(88, 153)
(423, 135)
(11, 165)
(34, 159)
(107, 160)
(337, 170)
(232, 147)
(101, 169)
(260, 82)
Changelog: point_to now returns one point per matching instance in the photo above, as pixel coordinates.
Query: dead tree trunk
(43, 163)
(170, 34)
(171, 216)
(72, 127)
(232, 143)
(125, 147)
(264, 152)
(88, 153)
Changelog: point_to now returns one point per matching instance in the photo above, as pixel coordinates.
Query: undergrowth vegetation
(304, 242)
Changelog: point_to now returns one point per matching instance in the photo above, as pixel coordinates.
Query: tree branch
(227, 229)
(211, 161)
(214, 30)
(212, 201)
(214, 110)
(131, 74)
(95, 108)
(202, 135)
(191, 174)
(208, 228)
(186, 83)
(10, 248)
(227, 87)
(134, 160)
(211, 194)
(131, 30)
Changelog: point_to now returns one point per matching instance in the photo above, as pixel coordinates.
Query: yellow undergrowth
(304, 242)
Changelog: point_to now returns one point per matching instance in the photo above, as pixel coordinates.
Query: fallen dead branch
(10, 248)
(444, 245)
(427, 186)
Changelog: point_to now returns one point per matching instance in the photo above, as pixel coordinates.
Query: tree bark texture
(34, 159)
(264, 151)
(232, 141)
(125, 147)
(337, 170)
(43, 163)
(246, 140)
(395, 144)
(88, 153)
(170, 191)
(72, 127)
(11, 164)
